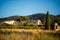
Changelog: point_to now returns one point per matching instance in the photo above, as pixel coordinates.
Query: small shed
(56, 26)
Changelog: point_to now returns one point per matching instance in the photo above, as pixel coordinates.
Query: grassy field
(28, 34)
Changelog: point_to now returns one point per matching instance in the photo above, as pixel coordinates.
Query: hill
(10, 18)
(40, 16)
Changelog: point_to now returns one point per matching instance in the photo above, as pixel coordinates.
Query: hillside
(10, 18)
(40, 16)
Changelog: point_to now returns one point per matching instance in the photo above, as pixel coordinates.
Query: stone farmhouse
(12, 22)
(9, 22)
(32, 22)
(36, 22)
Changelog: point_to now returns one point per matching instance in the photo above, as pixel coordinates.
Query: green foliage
(0, 20)
(27, 24)
(23, 18)
(7, 26)
(48, 21)
(19, 27)
(27, 27)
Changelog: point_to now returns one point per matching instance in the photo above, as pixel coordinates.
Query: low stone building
(56, 27)
(15, 23)
(36, 22)
(22, 23)
(11, 22)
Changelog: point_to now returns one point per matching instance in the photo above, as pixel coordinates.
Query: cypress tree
(47, 24)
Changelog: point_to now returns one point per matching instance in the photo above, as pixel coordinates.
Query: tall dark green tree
(48, 21)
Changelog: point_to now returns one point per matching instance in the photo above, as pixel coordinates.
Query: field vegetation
(28, 34)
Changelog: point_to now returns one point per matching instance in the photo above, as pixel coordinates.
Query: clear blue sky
(28, 7)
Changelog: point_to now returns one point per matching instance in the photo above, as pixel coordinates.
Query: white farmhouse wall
(10, 22)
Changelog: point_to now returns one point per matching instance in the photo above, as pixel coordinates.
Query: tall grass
(28, 36)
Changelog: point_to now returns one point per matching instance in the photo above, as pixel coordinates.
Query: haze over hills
(36, 16)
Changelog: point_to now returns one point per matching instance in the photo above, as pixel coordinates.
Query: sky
(28, 7)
